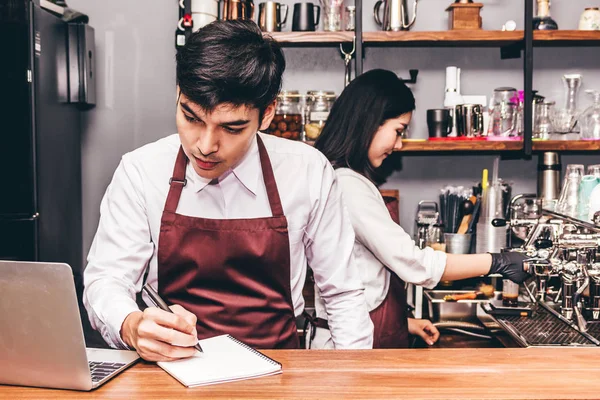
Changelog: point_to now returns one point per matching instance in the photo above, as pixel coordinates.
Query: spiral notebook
(225, 359)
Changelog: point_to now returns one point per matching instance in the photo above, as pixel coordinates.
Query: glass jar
(287, 122)
(318, 106)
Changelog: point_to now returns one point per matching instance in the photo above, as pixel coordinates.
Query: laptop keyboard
(101, 370)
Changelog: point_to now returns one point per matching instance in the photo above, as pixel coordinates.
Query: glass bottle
(350, 18)
(287, 122)
(589, 120)
(572, 83)
(542, 21)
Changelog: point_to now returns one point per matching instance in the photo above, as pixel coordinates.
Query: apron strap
(178, 181)
(269, 178)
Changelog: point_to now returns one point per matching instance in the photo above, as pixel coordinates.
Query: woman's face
(387, 139)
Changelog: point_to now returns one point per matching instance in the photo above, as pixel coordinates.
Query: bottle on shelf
(543, 21)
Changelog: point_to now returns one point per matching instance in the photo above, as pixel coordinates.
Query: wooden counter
(369, 374)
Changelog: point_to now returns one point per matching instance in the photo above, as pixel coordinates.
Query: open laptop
(41, 337)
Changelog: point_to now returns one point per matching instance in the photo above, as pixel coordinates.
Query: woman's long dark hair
(367, 103)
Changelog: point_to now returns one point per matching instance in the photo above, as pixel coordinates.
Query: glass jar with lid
(287, 122)
(318, 106)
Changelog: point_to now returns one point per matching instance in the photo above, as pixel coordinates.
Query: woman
(363, 129)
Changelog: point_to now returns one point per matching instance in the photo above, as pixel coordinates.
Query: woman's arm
(462, 266)
(386, 240)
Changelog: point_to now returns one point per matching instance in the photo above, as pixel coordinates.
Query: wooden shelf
(460, 146)
(458, 38)
(500, 146)
(570, 38)
(475, 38)
(566, 145)
(293, 39)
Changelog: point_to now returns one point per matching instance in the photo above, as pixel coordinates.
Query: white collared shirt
(380, 242)
(320, 232)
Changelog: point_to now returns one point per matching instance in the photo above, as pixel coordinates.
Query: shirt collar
(247, 171)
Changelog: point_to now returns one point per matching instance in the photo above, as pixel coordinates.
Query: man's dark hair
(230, 62)
(365, 104)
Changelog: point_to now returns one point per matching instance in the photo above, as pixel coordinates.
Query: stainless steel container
(462, 310)
(469, 120)
(548, 183)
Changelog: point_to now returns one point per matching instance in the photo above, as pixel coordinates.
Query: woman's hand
(425, 329)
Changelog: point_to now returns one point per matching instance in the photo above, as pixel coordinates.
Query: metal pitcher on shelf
(395, 15)
(237, 9)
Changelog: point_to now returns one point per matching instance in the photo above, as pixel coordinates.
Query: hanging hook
(413, 76)
(347, 60)
(351, 53)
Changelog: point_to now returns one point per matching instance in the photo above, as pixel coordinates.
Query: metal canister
(548, 183)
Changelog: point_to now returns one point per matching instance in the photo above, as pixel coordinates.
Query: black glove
(510, 266)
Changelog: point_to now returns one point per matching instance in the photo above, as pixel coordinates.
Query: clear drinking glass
(594, 170)
(542, 125)
(563, 120)
(587, 185)
(510, 293)
(568, 200)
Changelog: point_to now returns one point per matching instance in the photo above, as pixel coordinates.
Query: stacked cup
(204, 12)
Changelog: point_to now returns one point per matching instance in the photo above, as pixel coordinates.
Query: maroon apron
(233, 274)
(389, 318)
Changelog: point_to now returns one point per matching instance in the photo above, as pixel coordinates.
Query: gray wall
(136, 89)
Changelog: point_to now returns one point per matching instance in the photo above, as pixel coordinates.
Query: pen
(160, 303)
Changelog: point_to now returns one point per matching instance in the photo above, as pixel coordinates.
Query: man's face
(215, 142)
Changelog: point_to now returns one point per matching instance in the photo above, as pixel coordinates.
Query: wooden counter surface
(369, 374)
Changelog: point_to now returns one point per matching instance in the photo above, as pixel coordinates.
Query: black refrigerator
(46, 82)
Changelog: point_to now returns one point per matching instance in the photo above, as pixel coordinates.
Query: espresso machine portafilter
(594, 274)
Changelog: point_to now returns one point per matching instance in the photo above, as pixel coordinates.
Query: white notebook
(225, 359)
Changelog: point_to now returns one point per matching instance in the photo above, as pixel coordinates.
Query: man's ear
(268, 116)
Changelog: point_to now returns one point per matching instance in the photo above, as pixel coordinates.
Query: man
(222, 220)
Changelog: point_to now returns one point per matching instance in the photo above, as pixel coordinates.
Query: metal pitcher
(469, 120)
(238, 9)
(270, 18)
(395, 15)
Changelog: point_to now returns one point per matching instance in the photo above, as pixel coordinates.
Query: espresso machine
(563, 258)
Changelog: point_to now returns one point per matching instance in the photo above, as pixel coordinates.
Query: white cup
(205, 6)
(201, 19)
